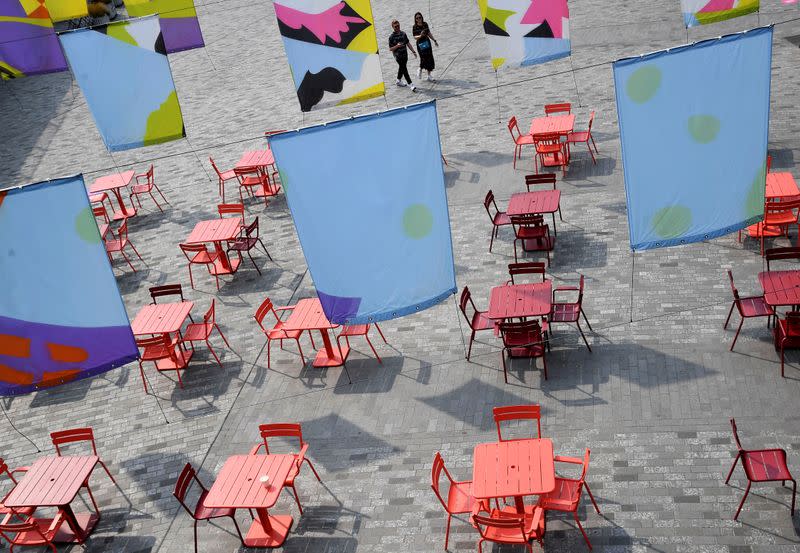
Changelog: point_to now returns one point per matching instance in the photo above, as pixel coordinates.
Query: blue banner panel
(693, 124)
(61, 315)
(368, 200)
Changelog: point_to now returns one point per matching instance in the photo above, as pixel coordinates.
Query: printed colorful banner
(703, 12)
(28, 43)
(62, 10)
(61, 315)
(332, 50)
(377, 242)
(123, 72)
(525, 32)
(693, 125)
(178, 18)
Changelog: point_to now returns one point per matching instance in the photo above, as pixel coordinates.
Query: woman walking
(422, 33)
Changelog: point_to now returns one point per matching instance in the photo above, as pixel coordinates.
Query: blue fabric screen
(694, 122)
(368, 200)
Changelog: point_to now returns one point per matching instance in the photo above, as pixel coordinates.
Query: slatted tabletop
(308, 315)
(781, 185)
(780, 287)
(161, 318)
(561, 124)
(511, 301)
(537, 201)
(238, 485)
(257, 158)
(215, 230)
(109, 182)
(513, 468)
(52, 481)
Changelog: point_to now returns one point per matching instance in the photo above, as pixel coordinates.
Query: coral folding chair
(237, 210)
(497, 217)
(761, 465)
(580, 137)
(287, 430)
(781, 254)
(567, 496)
(21, 513)
(276, 331)
(529, 268)
(147, 187)
(223, 176)
(199, 510)
(522, 339)
(34, 532)
(507, 527)
(564, 107)
(550, 152)
(534, 234)
(166, 352)
(101, 212)
(459, 499)
(256, 183)
(519, 139)
(197, 332)
(778, 217)
(749, 307)
(348, 331)
(198, 254)
(505, 413)
(73, 435)
(247, 241)
(118, 244)
(477, 320)
(787, 334)
(570, 312)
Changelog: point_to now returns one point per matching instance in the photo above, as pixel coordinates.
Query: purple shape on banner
(181, 33)
(338, 308)
(12, 8)
(30, 49)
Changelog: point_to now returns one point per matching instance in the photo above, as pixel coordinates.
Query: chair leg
(585, 341)
(108, 472)
(238, 531)
(782, 364)
(578, 522)
(180, 380)
(794, 493)
(595, 145)
(302, 358)
(596, 508)
(737, 333)
(591, 153)
(447, 531)
(514, 164)
(505, 370)
(191, 279)
(733, 466)
(265, 249)
(135, 251)
(253, 261)
(224, 339)
(585, 318)
(125, 257)
(195, 536)
(141, 371)
(310, 464)
(91, 496)
(471, 339)
(269, 343)
(297, 499)
(544, 364)
(160, 193)
(747, 491)
(311, 337)
(730, 312)
(378, 357)
(491, 240)
(155, 202)
(381, 333)
(208, 343)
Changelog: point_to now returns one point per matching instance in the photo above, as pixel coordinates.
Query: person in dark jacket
(398, 42)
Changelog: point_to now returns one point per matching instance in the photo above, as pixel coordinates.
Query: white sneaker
(400, 83)
(413, 88)
(419, 73)
(431, 78)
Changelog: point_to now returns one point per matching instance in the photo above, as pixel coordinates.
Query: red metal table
(561, 124)
(256, 158)
(238, 486)
(780, 287)
(513, 468)
(781, 185)
(536, 201)
(218, 231)
(163, 318)
(308, 315)
(512, 301)
(54, 481)
(114, 183)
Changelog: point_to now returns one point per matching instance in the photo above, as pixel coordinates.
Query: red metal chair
(522, 339)
(224, 176)
(287, 430)
(255, 182)
(498, 218)
(529, 268)
(550, 152)
(519, 139)
(531, 181)
(100, 211)
(34, 532)
(507, 413)
(477, 320)
(147, 188)
(197, 332)
(199, 511)
(567, 496)
(276, 332)
(579, 137)
(73, 435)
(508, 527)
(459, 499)
(787, 334)
(21, 513)
(778, 217)
(117, 245)
(570, 312)
(781, 254)
(752, 306)
(564, 107)
(761, 465)
(533, 230)
(198, 254)
(247, 241)
(167, 354)
(348, 331)
(231, 209)
(166, 290)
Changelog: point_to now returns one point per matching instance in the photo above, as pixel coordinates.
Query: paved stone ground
(652, 401)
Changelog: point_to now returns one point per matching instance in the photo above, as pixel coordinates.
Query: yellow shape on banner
(744, 7)
(62, 10)
(166, 123)
(166, 9)
(366, 94)
(120, 32)
(366, 40)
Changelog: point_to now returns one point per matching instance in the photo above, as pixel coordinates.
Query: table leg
(80, 526)
(519, 504)
(328, 357)
(223, 256)
(268, 530)
(555, 233)
(123, 209)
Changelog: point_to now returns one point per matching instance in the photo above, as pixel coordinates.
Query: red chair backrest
(489, 201)
(769, 162)
(4, 469)
(436, 475)
(505, 525)
(557, 108)
(517, 412)
(182, 485)
(149, 175)
(466, 300)
(519, 327)
(122, 231)
(210, 316)
(541, 178)
(231, 209)
(735, 292)
(280, 430)
(512, 126)
(529, 268)
(775, 211)
(100, 211)
(150, 341)
(547, 142)
(776, 254)
(252, 228)
(166, 290)
(263, 309)
(214, 165)
(189, 249)
(736, 435)
(585, 466)
(26, 527)
(580, 290)
(529, 220)
(73, 435)
(793, 323)
(163, 340)
(591, 120)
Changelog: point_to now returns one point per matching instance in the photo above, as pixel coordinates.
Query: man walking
(398, 42)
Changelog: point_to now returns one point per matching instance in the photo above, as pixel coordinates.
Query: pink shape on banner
(330, 23)
(551, 11)
(717, 6)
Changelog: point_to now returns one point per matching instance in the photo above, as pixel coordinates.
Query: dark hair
(420, 16)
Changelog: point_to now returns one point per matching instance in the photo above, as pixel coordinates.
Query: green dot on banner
(643, 83)
(417, 221)
(86, 226)
(703, 128)
(754, 205)
(671, 221)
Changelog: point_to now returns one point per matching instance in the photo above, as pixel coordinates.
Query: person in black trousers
(398, 42)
